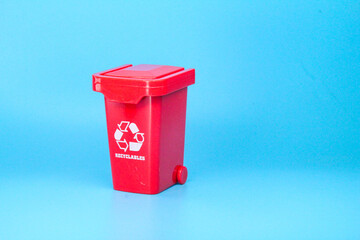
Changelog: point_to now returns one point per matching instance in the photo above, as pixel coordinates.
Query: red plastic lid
(129, 84)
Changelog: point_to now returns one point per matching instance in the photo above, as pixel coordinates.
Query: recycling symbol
(137, 140)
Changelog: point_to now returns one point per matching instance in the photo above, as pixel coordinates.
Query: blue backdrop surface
(273, 121)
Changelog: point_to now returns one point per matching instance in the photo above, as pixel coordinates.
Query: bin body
(146, 129)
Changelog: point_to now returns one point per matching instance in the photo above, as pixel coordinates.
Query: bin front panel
(134, 133)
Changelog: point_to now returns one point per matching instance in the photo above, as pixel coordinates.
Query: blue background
(273, 121)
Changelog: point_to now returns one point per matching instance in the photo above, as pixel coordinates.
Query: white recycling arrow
(136, 137)
(133, 128)
(123, 145)
(123, 126)
(118, 134)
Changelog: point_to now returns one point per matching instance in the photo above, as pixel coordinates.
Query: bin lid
(129, 84)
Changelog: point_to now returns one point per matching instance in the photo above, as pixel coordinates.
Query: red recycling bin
(145, 113)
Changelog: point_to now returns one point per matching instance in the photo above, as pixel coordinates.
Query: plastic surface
(146, 139)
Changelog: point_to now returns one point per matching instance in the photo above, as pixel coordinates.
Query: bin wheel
(181, 174)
